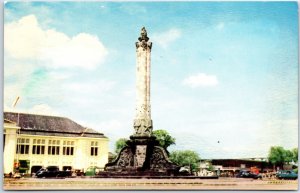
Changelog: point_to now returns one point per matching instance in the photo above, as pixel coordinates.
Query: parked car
(185, 170)
(286, 174)
(52, 171)
(17, 175)
(248, 174)
(38, 172)
(93, 171)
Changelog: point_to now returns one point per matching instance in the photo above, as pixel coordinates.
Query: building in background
(230, 167)
(33, 141)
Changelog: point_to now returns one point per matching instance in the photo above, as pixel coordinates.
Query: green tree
(288, 156)
(164, 138)
(276, 155)
(279, 156)
(185, 158)
(295, 154)
(120, 143)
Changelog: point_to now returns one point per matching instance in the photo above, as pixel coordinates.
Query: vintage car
(52, 171)
(248, 174)
(286, 174)
(93, 171)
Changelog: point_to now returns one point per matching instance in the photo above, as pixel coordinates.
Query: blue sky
(223, 72)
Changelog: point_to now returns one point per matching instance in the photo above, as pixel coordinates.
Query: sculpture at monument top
(143, 40)
(143, 35)
(142, 122)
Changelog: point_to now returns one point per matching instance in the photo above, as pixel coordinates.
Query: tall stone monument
(142, 155)
(143, 122)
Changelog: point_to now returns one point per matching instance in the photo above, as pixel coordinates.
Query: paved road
(148, 184)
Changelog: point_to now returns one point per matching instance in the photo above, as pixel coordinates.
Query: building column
(80, 157)
(10, 131)
(103, 152)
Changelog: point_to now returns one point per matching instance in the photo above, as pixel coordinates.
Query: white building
(33, 141)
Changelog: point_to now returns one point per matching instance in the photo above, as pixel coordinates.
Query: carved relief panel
(140, 155)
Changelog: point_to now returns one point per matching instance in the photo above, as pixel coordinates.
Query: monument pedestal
(142, 157)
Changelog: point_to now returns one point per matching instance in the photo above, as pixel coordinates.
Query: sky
(224, 75)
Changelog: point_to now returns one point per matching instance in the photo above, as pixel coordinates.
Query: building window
(38, 146)
(94, 148)
(53, 147)
(22, 146)
(68, 148)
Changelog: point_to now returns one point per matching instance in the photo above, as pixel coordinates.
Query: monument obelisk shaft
(142, 121)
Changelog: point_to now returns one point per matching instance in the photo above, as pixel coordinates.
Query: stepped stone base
(141, 157)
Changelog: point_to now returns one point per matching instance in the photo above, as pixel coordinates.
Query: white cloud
(25, 39)
(22, 38)
(201, 80)
(165, 38)
(42, 109)
(37, 66)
